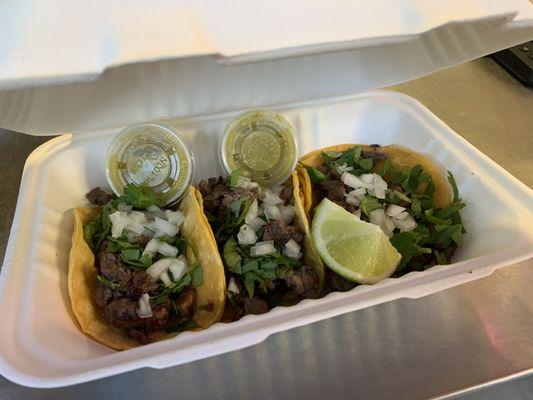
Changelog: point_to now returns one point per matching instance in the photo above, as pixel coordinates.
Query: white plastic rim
(40, 343)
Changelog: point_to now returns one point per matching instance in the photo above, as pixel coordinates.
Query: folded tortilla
(202, 250)
(401, 158)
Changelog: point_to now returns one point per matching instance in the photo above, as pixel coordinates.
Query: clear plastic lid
(150, 155)
(260, 144)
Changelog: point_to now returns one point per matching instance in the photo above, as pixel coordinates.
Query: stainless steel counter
(452, 341)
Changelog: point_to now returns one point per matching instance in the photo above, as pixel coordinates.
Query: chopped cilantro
(139, 196)
(175, 288)
(197, 276)
(232, 256)
(407, 246)
(368, 204)
(131, 254)
(234, 177)
(316, 175)
(183, 326)
(107, 282)
(252, 265)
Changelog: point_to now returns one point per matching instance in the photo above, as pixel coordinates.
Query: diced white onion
(357, 213)
(124, 207)
(165, 279)
(160, 266)
(352, 199)
(359, 193)
(393, 210)
(151, 247)
(138, 216)
(174, 217)
(260, 210)
(167, 250)
(246, 235)
(135, 227)
(252, 212)
(272, 212)
(374, 183)
(287, 213)
(144, 310)
(367, 178)
(343, 168)
(379, 181)
(388, 226)
(178, 268)
(405, 225)
(132, 237)
(263, 249)
(119, 220)
(353, 181)
(164, 228)
(233, 287)
(292, 249)
(256, 223)
(156, 211)
(377, 191)
(377, 217)
(246, 183)
(271, 198)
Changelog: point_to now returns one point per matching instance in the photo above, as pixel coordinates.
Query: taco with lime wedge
(403, 192)
(264, 238)
(139, 273)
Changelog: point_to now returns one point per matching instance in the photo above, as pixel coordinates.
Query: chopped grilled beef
(234, 195)
(286, 195)
(279, 231)
(112, 267)
(333, 189)
(185, 303)
(213, 191)
(142, 240)
(374, 154)
(98, 197)
(255, 306)
(336, 283)
(141, 283)
(103, 294)
(119, 305)
(122, 313)
(303, 281)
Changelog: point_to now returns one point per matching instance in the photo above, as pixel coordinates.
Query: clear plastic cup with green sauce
(261, 145)
(150, 155)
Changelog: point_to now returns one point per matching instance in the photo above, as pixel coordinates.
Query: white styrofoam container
(40, 343)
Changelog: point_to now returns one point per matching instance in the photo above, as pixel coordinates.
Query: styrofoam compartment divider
(40, 343)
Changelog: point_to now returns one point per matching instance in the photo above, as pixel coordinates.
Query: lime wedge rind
(356, 250)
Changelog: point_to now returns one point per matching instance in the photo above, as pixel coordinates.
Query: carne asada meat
(98, 197)
(279, 231)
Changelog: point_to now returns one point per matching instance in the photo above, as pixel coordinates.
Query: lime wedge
(357, 250)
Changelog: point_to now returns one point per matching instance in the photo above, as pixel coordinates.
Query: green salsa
(152, 156)
(261, 145)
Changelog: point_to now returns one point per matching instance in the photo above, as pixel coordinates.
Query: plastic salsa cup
(150, 155)
(261, 145)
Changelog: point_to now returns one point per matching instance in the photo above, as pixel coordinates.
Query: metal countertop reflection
(445, 344)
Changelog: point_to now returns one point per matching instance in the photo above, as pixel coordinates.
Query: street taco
(263, 235)
(402, 191)
(138, 273)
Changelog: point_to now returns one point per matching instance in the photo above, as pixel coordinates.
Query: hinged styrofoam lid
(69, 66)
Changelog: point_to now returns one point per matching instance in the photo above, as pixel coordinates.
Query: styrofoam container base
(40, 343)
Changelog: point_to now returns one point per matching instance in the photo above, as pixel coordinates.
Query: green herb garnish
(107, 282)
